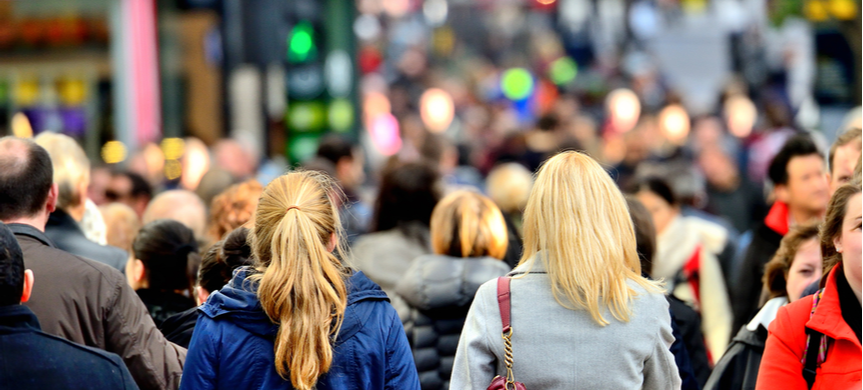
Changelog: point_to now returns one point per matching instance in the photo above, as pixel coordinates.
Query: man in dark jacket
(78, 299)
(72, 176)
(801, 189)
(34, 360)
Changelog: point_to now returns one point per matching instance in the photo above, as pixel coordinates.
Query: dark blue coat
(232, 346)
(31, 359)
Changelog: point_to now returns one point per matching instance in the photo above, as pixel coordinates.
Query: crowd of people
(547, 267)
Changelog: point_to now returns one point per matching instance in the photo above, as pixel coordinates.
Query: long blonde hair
(302, 284)
(577, 221)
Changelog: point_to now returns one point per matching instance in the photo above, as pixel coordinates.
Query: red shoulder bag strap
(508, 382)
(503, 302)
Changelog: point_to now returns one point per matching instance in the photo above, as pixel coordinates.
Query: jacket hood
(238, 303)
(435, 281)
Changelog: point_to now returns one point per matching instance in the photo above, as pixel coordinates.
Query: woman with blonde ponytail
(300, 318)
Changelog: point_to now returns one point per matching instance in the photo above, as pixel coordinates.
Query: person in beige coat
(686, 258)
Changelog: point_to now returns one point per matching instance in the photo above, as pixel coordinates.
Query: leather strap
(503, 301)
(811, 364)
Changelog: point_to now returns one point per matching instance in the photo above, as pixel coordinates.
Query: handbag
(508, 382)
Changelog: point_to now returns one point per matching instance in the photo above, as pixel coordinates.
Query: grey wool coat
(558, 348)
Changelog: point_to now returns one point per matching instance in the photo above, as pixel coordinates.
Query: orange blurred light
(674, 124)
(740, 115)
(374, 105)
(545, 2)
(436, 109)
(624, 108)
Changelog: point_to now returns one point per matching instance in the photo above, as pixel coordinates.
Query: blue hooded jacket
(232, 346)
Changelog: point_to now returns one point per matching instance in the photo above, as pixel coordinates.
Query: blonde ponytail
(302, 284)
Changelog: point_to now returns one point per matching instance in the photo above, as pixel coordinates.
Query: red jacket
(781, 365)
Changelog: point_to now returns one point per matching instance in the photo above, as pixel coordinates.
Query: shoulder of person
(790, 321)
(93, 357)
(69, 264)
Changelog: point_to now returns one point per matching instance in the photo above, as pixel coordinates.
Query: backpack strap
(816, 347)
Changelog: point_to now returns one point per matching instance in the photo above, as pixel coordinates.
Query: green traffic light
(301, 45)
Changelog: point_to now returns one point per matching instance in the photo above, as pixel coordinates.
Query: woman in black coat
(469, 238)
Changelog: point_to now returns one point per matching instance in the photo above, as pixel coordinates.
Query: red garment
(777, 218)
(781, 367)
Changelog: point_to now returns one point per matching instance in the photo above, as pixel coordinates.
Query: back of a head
(302, 285)
(645, 233)
(180, 205)
(233, 208)
(408, 193)
(468, 224)
(797, 146)
(333, 148)
(71, 167)
(140, 186)
(658, 187)
(213, 183)
(223, 257)
(509, 186)
(776, 270)
(11, 268)
(26, 176)
(122, 225)
(577, 221)
(169, 252)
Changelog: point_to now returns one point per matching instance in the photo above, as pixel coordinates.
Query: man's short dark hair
(24, 180)
(11, 268)
(140, 187)
(658, 186)
(334, 148)
(796, 146)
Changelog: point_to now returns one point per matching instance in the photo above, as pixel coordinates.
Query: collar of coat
(17, 318)
(20, 229)
(827, 318)
(777, 218)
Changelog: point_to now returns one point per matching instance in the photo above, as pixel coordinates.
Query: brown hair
(645, 233)
(832, 226)
(851, 135)
(467, 224)
(301, 283)
(233, 208)
(776, 270)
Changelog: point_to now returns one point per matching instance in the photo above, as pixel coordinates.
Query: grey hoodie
(558, 348)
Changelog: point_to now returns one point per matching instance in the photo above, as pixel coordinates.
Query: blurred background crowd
(187, 109)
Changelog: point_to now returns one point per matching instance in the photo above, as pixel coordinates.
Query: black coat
(179, 327)
(164, 304)
(440, 290)
(31, 359)
(747, 294)
(688, 323)
(738, 368)
(68, 236)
